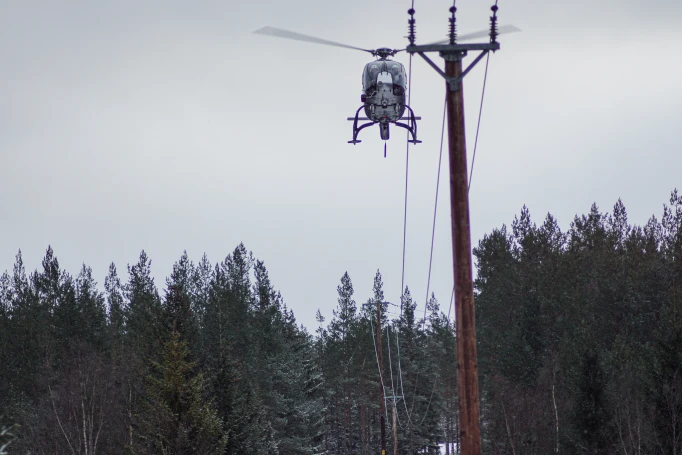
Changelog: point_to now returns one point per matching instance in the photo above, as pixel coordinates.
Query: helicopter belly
(384, 106)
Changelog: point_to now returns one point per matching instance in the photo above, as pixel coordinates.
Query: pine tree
(92, 309)
(176, 419)
(228, 355)
(144, 319)
(117, 309)
(178, 311)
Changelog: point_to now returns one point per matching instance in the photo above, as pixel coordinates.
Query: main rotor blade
(279, 33)
(502, 30)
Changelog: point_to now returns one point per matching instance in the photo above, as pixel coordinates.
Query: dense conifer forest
(579, 349)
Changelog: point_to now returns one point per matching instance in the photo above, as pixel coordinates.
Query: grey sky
(168, 126)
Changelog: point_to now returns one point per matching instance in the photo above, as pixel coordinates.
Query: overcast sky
(169, 126)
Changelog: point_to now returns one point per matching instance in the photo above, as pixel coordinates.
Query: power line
(452, 298)
(478, 126)
(402, 390)
(407, 169)
(435, 207)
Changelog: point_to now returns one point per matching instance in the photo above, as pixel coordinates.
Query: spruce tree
(117, 309)
(175, 418)
(144, 322)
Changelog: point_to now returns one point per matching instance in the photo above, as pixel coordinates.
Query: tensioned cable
(435, 206)
(452, 298)
(478, 126)
(407, 169)
(402, 390)
(433, 232)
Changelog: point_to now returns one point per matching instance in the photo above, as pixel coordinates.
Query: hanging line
(407, 169)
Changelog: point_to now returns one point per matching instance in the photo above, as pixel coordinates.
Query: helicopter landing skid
(356, 128)
(411, 126)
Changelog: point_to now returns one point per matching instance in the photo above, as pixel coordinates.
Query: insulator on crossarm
(411, 36)
(493, 25)
(453, 26)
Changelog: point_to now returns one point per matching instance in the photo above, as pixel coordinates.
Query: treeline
(580, 335)
(579, 349)
(215, 365)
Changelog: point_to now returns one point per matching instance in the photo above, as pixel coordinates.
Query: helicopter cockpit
(378, 70)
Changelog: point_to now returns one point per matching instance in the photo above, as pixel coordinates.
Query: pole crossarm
(413, 49)
(453, 52)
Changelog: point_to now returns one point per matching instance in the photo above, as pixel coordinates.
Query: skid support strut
(410, 126)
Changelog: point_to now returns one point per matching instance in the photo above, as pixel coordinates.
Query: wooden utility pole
(467, 370)
(382, 404)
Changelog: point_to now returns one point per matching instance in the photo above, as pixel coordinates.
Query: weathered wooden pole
(467, 369)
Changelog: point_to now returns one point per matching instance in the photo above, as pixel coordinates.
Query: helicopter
(384, 84)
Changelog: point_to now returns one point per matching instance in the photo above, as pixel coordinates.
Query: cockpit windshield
(374, 69)
(398, 73)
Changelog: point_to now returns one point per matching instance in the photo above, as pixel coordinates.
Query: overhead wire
(435, 206)
(478, 125)
(402, 281)
(402, 286)
(407, 164)
(407, 170)
(402, 390)
(480, 112)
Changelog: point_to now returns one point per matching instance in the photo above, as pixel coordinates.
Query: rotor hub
(383, 53)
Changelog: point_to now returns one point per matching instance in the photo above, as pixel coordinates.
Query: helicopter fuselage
(384, 83)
